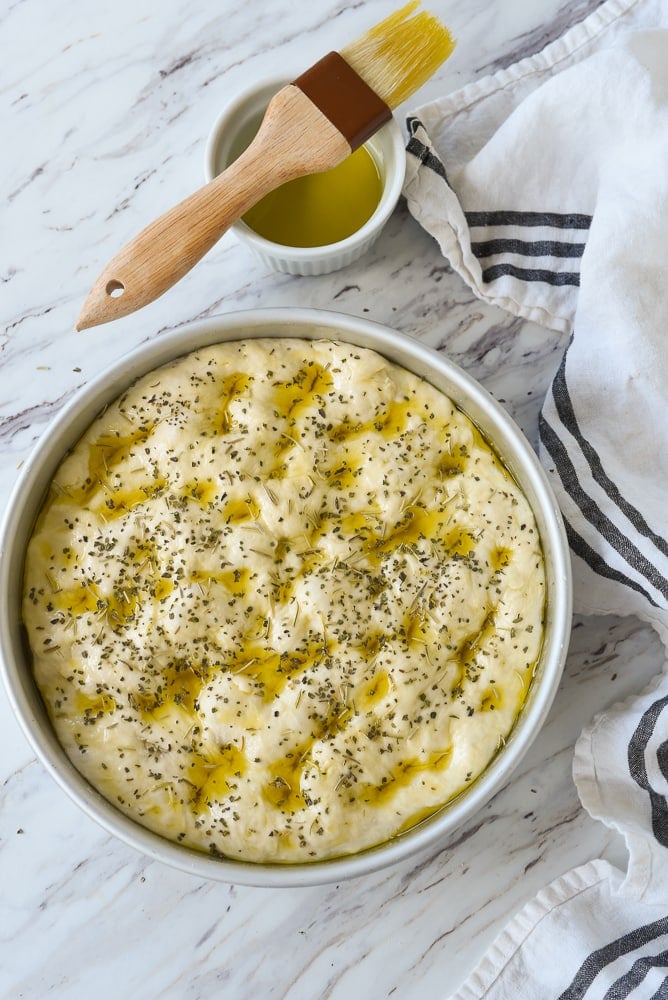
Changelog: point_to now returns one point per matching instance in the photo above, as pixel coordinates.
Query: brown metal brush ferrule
(344, 98)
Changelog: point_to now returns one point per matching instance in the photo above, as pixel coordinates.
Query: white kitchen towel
(573, 941)
(546, 187)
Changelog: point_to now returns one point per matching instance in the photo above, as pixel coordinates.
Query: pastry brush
(310, 125)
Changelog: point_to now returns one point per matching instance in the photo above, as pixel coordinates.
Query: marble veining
(106, 108)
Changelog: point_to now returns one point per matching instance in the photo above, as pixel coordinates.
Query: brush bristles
(400, 53)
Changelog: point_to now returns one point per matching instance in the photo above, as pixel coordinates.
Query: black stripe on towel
(597, 563)
(638, 769)
(662, 991)
(598, 959)
(425, 156)
(593, 513)
(558, 220)
(421, 151)
(629, 982)
(531, 274)
(523, 248)
(413, 124)
(564, 406)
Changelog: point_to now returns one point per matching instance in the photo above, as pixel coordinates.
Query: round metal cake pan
(491, 418)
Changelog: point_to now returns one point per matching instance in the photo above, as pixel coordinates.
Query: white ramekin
(231, 133)
(310, 324)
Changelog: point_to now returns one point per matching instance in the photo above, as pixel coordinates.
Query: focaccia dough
(283, 600)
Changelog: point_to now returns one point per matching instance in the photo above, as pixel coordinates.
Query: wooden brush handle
(295, 138)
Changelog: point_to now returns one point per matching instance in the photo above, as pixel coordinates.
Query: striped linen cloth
(546, 187)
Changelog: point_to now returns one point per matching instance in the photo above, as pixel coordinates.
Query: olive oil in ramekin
(320, 209)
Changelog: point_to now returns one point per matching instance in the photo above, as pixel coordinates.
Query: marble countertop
(105, 109)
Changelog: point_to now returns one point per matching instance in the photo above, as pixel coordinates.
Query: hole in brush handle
(114, 288)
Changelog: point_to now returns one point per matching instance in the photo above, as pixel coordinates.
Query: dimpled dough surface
(283, 600)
